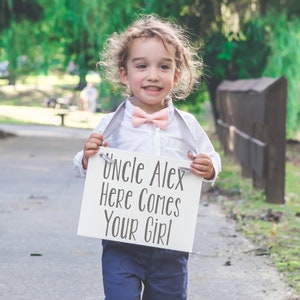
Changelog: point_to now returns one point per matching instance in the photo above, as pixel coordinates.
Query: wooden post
(275, 130)
(255, 110)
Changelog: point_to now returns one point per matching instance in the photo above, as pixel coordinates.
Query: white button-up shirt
(147, 138)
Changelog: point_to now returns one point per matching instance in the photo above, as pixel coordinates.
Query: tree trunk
(212, 85)
(82, 79)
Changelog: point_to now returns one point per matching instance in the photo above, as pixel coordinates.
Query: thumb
(191, 155)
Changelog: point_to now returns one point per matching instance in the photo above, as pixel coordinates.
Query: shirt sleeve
(205, 146)
(77, 160)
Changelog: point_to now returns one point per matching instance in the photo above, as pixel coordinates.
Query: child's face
(150, 73)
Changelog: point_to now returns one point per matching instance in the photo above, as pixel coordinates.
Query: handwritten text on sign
(140, 199)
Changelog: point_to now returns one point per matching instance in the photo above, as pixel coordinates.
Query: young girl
(153, 61)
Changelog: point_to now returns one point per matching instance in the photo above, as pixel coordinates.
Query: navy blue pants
(130, 271)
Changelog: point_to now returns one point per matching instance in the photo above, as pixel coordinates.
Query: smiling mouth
(152, 88)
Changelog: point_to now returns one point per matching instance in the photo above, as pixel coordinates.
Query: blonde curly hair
(116, 50)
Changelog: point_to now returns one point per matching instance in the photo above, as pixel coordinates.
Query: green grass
(32, 90)
(280, 240)
(6, 120)
(247, 206)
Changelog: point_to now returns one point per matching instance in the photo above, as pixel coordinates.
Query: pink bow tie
(159, 119)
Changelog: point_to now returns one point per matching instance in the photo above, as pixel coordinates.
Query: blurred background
(49, 49)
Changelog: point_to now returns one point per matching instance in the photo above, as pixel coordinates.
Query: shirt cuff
(77, 161)
(217, 166)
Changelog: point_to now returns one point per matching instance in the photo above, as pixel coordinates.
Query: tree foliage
(18, 10)
(79, 25)
(235, 56)
(14, 17)
(232, 34)
(284, 60)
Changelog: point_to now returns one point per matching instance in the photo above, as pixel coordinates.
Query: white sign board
(140, 199)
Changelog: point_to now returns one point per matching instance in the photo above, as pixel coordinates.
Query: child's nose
(153, 74)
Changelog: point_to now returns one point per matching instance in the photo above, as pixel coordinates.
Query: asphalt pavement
(43, 258)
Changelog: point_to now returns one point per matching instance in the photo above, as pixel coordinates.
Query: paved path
(42, 258)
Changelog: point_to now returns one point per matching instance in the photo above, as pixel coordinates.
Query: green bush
(284, 60)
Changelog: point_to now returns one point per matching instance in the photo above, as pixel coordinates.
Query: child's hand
(202, 166)
(91, 147)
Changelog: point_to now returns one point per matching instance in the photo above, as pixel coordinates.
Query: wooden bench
(62, 113)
